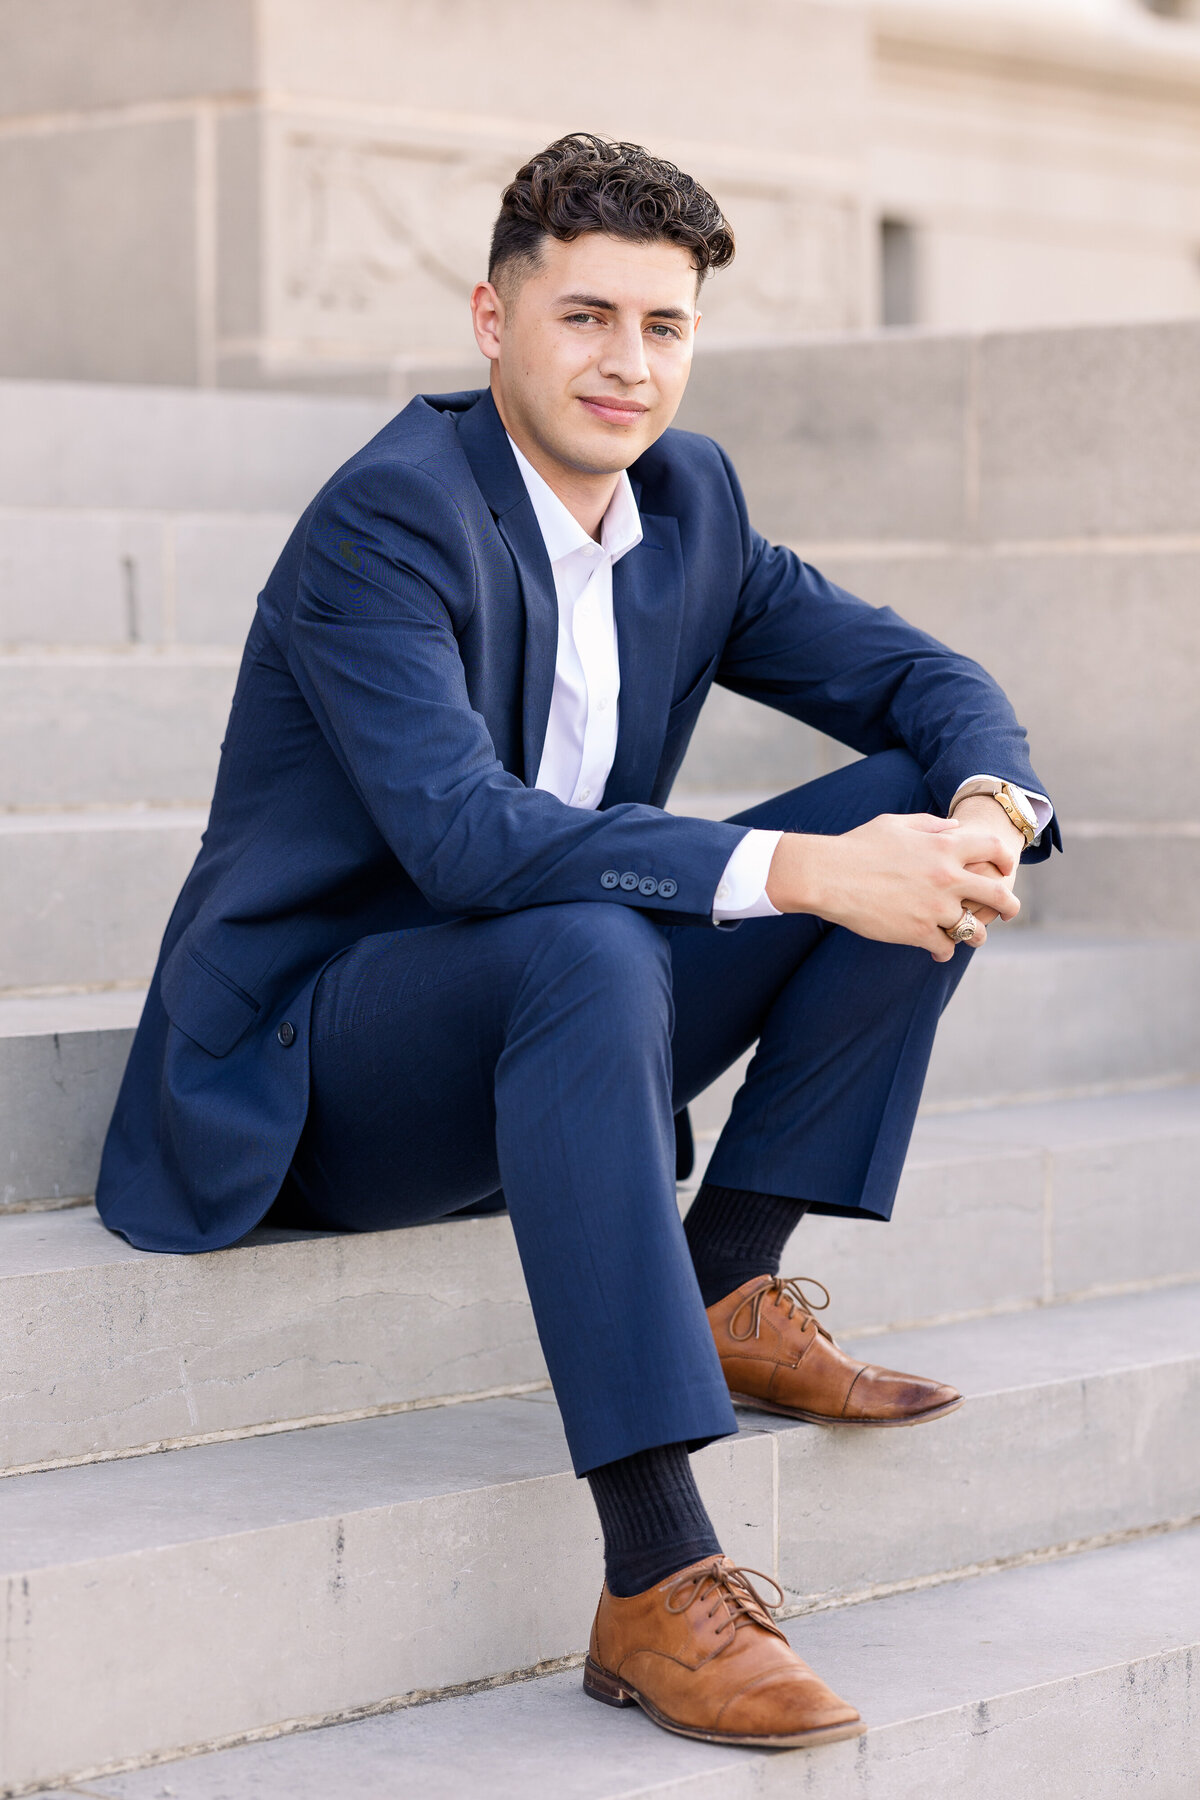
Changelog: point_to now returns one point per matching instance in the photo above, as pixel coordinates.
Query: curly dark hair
(583, 183)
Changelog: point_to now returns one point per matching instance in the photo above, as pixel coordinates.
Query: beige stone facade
(285, 192)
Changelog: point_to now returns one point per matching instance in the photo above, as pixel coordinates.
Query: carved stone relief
(384, 241)
(385, 238)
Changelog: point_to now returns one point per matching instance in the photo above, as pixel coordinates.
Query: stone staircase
(315, 1480)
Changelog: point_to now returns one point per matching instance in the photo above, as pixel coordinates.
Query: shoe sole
(811, 1418)
(598, 1684)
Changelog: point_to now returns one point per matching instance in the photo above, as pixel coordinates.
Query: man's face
(591, 350)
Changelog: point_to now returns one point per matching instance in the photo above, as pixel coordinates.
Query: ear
(487, 316)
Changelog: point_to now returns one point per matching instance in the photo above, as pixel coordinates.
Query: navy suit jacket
(387, 724)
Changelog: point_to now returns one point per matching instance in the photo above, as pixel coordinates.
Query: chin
(606, 455)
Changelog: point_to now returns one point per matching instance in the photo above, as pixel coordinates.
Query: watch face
(1022, 804)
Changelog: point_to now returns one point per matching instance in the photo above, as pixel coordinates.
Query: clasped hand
(904, 878)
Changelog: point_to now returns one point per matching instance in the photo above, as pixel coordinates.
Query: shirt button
(601, 705)
(286, 1033)
(667, 889)
(723, 891)
(610, 879)
(629, 881)
(585, 793)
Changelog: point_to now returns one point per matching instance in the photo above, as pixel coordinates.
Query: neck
(586, 497)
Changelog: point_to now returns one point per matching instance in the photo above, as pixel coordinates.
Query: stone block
(1128, 1204)
(1095, 651)
(216, 1590)
(280, 1327)
(742, 747)
(1133, 880)
(81, 578)
(1073, 1679)
(1043, 1014)
(857, 439)
(241, 226)
(112, 728)
(966, 1236)
(221, 566)
(1089, 432)
(85, 445)
(997, 1211)
(110, 293)
(139, 51)
(400, 55)
(105, 882)
(1074, 1427)
(61, 1062)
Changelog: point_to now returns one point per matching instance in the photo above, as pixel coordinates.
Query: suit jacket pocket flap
(207, 1007)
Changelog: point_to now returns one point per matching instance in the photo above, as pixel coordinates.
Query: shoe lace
(728, 1588)
(780, 1292)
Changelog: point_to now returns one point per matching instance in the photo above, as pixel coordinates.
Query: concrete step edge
(531, 1719)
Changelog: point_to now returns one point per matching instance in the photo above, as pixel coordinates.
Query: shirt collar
(563, 535)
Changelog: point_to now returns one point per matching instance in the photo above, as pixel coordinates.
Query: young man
(441, 939)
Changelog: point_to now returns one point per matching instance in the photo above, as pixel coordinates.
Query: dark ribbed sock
(652, 1516)
(735, 1234)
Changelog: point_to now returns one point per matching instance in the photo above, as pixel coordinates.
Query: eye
(583, 318)
(664, 331)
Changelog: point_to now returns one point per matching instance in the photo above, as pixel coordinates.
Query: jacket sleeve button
(609, 879)
(667, 888)
(286, 1033)
(648, 886)
(629, 882)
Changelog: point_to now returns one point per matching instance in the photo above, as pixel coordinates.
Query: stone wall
(1032, 498)
(296, 193)
(285, 192)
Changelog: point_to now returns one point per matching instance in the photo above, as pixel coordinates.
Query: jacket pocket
(206, 1006)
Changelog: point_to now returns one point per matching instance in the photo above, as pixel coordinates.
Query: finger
(977, 937)
(929, 822)
(985, 890)
(976, 846)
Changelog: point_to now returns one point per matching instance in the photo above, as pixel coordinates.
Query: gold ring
(965, 930)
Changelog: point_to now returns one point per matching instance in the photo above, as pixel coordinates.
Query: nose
(624, 355)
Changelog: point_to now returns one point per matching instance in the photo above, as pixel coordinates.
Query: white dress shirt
(581, 732)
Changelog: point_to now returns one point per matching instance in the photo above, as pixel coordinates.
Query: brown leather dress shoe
(701, 1655)
(777, 1359)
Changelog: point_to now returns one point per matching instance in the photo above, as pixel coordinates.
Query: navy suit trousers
(545, 1052)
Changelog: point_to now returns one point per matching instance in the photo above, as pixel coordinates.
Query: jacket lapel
(485, 444)
(648, 607)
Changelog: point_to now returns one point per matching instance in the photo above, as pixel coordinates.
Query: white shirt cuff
(742, 889)
(1043, 812)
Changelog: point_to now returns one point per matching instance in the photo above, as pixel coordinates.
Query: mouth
(613, 412)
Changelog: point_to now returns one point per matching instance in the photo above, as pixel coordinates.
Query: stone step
(228, 1588)
(107, 1349)
(1050, 1013)
(1070, 1679)
(141, 724)
(86, 895)
(127, 579)
(105, 729)
(105, 880)
(106, 447)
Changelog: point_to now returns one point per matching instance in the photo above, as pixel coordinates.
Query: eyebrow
(595, 304)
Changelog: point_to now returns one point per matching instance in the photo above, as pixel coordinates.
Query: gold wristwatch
(1009, 797)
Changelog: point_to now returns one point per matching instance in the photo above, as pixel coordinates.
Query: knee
(898, 782)
(611, 948)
